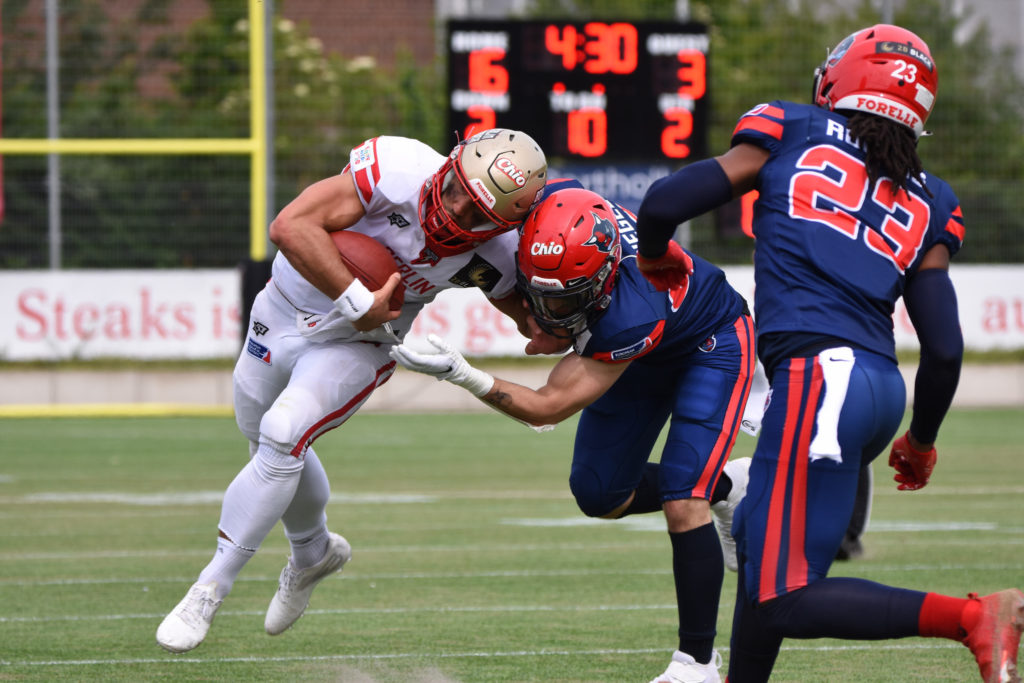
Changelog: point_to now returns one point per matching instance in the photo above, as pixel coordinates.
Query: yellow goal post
(255, 145)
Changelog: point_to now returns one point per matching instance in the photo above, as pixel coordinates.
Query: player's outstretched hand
(668, 270)
(913, 467)
(447, 364)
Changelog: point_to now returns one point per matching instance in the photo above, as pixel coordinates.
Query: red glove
(913, 467)
(668, 270)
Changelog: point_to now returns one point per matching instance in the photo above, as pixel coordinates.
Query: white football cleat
(685, 669)
(296, 585)
(739, 472)
(187, 624)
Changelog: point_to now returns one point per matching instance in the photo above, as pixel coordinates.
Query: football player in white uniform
(318, 339)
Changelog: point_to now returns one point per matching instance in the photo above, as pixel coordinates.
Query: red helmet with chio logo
(569, 252)
(502, 171)
(883, 70)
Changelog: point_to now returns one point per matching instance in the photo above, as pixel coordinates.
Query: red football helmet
(503, 173)
(883, 70)
(569, 253)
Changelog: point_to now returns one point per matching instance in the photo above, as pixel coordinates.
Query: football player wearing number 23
(318, 338)
(846, 221)
(642, 358)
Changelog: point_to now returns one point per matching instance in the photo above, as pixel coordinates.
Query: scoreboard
(601, 91)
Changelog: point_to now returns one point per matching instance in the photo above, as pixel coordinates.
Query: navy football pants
(702, 395)
(793, 517)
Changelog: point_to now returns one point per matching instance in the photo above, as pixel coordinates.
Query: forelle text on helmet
(895, 111)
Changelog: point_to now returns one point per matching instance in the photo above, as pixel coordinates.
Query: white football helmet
(503, 171)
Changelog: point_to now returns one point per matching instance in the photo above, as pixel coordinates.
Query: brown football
(370, 261)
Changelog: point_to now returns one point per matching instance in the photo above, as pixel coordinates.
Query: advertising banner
(195, 314)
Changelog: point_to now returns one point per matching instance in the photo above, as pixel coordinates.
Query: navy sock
(698, 568)
(648, 494)
(848, 608)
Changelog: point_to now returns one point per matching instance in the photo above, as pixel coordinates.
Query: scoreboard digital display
(609, 91)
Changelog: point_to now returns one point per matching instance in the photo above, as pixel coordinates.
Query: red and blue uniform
(822, 268)
(833, 255)
(692, 361)
(825, 277)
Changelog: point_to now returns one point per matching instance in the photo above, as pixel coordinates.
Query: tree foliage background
(136, 75)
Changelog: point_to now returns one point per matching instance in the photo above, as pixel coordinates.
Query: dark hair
(891, 149)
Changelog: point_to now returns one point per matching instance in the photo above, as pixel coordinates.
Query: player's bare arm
(574, 383)
(936, 257)
(741, 165)
(301, 230)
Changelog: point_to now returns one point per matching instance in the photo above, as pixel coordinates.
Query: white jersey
(389, 173)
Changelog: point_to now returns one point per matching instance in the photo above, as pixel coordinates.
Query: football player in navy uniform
(642, 358)
(846, 222)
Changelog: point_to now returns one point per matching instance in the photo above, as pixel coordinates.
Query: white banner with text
(194, 314)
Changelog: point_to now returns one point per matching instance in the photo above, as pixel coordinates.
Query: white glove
(448, 365)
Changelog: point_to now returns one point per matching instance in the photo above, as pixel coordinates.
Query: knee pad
(292, 413)
(591, 496)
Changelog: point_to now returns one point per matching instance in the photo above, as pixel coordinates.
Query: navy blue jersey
(658, 327)
(643, 323)
(833, 254)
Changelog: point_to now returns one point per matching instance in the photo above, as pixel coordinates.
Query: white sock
(258, 496)
(253, 502)
(227, 562)
(308, 551)
(305, 522)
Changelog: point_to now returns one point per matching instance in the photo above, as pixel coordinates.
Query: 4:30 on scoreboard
(615, 90)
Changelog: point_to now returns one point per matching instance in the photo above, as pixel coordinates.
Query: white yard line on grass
(467, 609)
(426, 549)
(177, 659)
(354, 575)
(351, 575)
(180, 499)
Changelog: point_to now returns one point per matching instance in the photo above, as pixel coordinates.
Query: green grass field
(471, 562)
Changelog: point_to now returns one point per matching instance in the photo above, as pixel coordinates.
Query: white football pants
(288, 391)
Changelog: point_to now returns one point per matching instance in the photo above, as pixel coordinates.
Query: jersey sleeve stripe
(368, 176)
(955, 226)
(633, 351)
(364, 181)
(759, 125)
